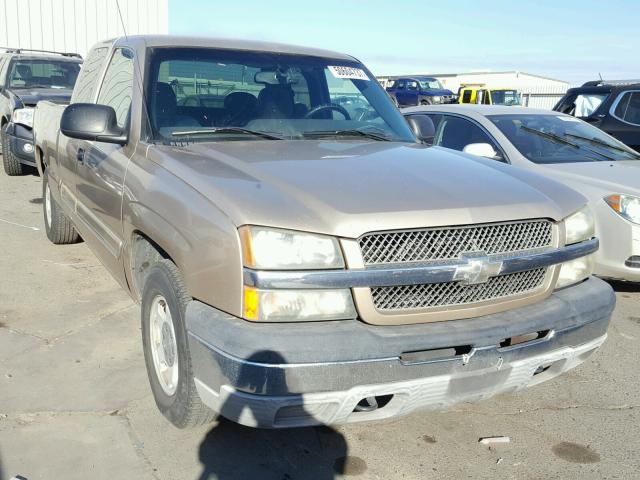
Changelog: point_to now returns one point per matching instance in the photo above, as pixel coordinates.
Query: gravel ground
(75, 402)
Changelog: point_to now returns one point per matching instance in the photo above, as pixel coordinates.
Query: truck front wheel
(12, 165)
(166, 349)
(59, 228)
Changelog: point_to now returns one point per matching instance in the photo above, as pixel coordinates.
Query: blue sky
(566, 39)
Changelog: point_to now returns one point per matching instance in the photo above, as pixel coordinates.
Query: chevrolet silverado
(301, 260)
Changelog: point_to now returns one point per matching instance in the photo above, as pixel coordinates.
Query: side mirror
(422, 126)
(88, 121)
(481, 150)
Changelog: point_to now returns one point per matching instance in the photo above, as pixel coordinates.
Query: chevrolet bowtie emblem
(478, 268)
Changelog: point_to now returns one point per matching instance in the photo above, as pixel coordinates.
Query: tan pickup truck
(300, 258)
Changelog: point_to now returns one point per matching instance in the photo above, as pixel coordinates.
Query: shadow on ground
(232, 451)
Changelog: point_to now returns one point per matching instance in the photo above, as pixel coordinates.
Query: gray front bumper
(284, 375)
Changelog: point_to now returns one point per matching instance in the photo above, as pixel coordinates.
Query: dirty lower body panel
(278, 376)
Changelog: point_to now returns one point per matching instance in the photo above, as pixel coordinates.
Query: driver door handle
(80, 155)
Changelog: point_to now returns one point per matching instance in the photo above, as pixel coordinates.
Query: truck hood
(601, 177)
(351, 187)
(31, 96)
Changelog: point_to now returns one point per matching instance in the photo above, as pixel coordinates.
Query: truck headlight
(23, 116)
(627, 206)
(579, 226)
(277, 249)
(575, 271)
(297, 305)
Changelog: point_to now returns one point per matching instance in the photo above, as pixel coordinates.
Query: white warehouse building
(537, 91)
(75, 25)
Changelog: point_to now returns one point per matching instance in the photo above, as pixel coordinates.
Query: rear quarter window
(86, 84)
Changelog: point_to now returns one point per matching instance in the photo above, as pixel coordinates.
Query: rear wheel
(57, 224)
(166, 349)
(12, 165)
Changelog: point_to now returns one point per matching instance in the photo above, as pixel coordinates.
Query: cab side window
(466, 96)
(412, 85)
(117, 86)
(456, 133)
(400, 84)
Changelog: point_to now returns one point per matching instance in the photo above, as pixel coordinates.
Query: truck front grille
(436, 244)
(411, 297)
(446, 245)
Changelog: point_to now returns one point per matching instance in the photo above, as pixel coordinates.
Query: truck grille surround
(446, 245)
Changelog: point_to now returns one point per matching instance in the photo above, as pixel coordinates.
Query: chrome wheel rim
(164, 348)
(47, 205)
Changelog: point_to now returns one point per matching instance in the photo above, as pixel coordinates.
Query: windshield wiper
(559, 139)
(346, 133)
(246, 131)
(550, 136)
(597, 141)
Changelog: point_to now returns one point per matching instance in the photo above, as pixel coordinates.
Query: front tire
(12, 165)
(166, 348)
(57, 224)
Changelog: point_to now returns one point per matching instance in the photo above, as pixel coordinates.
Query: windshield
(560, 139)
(43, 74)
(430, 84)
(582, 104)
(505, 97)
(205, 94)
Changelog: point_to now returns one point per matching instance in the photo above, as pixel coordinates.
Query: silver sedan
(561, 147)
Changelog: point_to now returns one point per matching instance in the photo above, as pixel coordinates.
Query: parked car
(297, 266)
(613, 107)
(419, 91)
(566, 149)
(481, 94)
(26, 77)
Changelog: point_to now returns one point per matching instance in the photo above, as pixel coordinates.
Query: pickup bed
(303, 260)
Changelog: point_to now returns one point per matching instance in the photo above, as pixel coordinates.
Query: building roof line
(486, 72)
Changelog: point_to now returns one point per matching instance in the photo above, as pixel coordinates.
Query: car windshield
(430, 84)
(43, 74)
(560, 139)
(210, 94)
(505, 97)
(582, 104)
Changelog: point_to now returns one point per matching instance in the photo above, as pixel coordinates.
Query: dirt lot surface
(75, 402)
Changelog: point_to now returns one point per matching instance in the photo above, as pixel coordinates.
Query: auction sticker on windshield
(351, 73)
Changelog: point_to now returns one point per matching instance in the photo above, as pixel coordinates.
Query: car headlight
(627, 206)
(575, 271)
(297, 305)
(277, 249)
(23, 116)
(437, 99)
(579, 226)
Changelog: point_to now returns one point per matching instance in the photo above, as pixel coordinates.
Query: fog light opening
(28, 148)
(370, 404)
(541, 369)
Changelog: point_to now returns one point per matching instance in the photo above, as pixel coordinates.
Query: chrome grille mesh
(448, 243)
(455, 293)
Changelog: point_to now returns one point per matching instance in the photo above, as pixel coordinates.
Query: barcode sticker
(348, 72)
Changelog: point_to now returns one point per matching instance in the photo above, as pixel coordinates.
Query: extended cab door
(412, 93)
(401, 92)
(101, 169)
